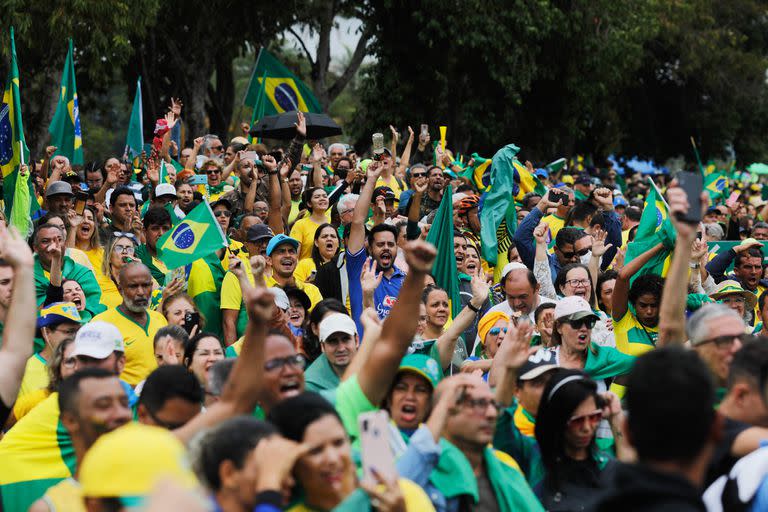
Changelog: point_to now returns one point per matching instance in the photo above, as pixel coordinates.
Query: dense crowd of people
(579, 371)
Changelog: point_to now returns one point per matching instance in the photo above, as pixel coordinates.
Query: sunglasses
(592, 418)
(217, 148)
(419, 175)
(724, 341)
(571, 254)
(213, 171)
(496, 330)
(578, 324)
(222, 213)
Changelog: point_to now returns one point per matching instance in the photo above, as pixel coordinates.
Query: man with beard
(246, 171)
(295, 186)
(282, 254)
(382, 247)
(135, 321)
(434, 194)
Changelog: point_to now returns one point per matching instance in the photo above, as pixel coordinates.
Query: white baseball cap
(336, 322)
(509, 267)
(574, 308)
(165, 189)
(98, 340)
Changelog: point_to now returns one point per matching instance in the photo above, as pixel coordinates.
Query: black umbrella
(281, 126)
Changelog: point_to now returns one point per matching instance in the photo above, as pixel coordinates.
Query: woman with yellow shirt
(120, 246)
(83, 235)
(324, 248)
(316, 201)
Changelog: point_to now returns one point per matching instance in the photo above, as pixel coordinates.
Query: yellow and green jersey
(138, 339)
(35, 375)
(632, 337)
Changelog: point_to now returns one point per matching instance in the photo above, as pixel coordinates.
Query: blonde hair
(106, 263)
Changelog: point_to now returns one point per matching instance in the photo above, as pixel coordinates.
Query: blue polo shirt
(383, 298)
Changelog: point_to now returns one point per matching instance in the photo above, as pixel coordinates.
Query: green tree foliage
(104, 32)
(598, 76)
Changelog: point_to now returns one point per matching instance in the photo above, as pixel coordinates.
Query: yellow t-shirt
(311, 290)
(555, 224)
(632, 337)
(231, 293)
(35, 375)
(138, 339)
(304, 231)
(110, 296)
(26, 403)
(65, 495)
(416, 500)
(304, 270)
(294, 211)
(80, 257)
(95, 256)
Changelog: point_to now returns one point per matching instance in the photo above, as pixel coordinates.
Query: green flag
(14, 151)
(65, 130)
(282, 88)
(163, 177)
(498, 219)
(172, 212)
(441, 236)
(196, 236)
(716, 185)
(134, 141)
(654, 228)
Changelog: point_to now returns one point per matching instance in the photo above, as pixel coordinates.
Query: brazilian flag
(444, 268)
(716, 185)
(283, 89)
(654, 228)
(65, 130)
(19, 204)
(196, 236)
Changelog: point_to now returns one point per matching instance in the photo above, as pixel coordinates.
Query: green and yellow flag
(196, 236)
(444, 268)
(498, 218)
(134, 140)
(654, 228)
(65, 129)
(14, 152)
(716, 185)
(282, 88)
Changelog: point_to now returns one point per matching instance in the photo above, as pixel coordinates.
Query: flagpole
(653, 184)
(698, 158)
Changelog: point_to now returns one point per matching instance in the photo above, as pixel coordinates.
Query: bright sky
(343, 40)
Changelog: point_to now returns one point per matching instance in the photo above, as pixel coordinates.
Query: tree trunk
(37, 133)
(221, 101)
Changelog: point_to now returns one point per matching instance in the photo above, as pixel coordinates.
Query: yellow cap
(567, 179)
(128, 463)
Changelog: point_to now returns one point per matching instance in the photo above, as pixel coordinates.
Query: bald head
(135, 285)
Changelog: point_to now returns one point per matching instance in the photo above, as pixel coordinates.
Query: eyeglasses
(577, 282)
(578, 324)
(162, 423)
(124, 249)
(571, 254)
(480, 404)
(277, 364)
(71, 331)
(496, 330)
(593, 418)
(725, 341)
(222, 213)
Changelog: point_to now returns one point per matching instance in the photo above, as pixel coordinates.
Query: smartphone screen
(693, 184)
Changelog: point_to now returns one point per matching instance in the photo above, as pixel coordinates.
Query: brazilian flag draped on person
(441, 236)
(65, 130)
(498, 218)
(478, 172)
(196, 236)
(655, 227)
(282, 88)
(18, 190)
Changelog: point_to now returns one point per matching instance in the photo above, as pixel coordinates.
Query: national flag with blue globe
(284, 90)
(195, 236)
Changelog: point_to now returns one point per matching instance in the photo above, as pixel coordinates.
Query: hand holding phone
(693, 185)
(376, 452)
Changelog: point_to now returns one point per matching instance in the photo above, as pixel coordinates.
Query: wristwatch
(694, 265)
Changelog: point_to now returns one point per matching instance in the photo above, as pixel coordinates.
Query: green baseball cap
(423, 366)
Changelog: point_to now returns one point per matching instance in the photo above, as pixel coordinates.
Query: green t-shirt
(350, 401)
(320, 375)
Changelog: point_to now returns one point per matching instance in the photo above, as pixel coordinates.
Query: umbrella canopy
(758, 168)
(282, 126)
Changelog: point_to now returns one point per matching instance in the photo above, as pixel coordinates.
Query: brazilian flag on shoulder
(194, 237)
(283, 89)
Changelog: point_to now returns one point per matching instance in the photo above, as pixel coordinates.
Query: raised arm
(241, 390)
(19, 331)
(405, 158)
(360, 215)
(599, 248)
(541, 262)
(285, 192)
(621, 288)
(446, 344)
(275, 213)
(192, 160)
(376, 375)
(524, 233)
(603, 199)
(510, 357)
(673, 297)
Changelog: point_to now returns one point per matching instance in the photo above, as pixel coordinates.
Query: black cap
(222, 202)
(384, 192)
(582, 179)
(258, 232)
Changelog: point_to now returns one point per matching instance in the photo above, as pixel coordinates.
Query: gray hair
(346, 202)
(218, 375)
(207, 142)
(697, 327)
(715, 231)
(338, 145)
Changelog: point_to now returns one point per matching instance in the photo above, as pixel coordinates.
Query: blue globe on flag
(183, 237)
(286, 97)
(6, 135)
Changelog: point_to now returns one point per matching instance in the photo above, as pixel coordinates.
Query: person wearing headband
(570, 413)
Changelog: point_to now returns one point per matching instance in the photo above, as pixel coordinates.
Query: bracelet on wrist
(472, 307)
